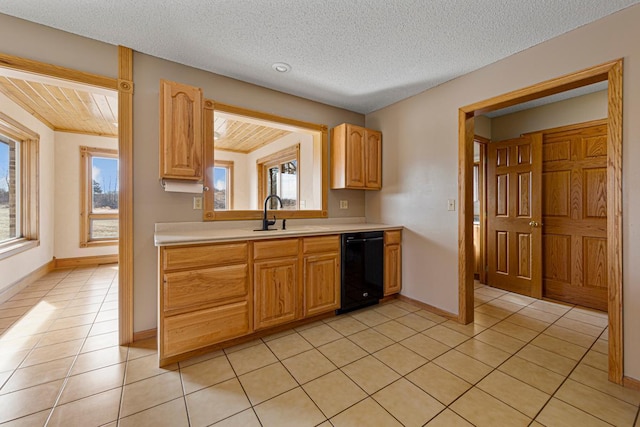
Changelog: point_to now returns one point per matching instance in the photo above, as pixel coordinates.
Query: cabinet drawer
(275, 249)
(202, 256)
(191, 331)
(204, 286)
(321, 244)
(392, 237)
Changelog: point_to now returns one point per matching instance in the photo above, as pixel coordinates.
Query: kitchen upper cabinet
(356, 158)
(181, 131)
(276, 269)
(392, 262)
(321, 259)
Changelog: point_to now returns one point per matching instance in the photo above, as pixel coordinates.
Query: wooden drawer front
(321, 244)
(205, 286)
(202, 256)
(191, 331)
(392, 237)
(275, 249)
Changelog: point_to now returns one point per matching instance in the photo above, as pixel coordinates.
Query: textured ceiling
(361, 55)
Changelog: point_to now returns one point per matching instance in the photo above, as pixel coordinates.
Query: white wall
(18, 266)
(580, 109)
(67, 194)
(421, 160)
(240, 178)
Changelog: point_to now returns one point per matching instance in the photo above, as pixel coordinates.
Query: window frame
(228, 165)
(86, 196)
(29, 215)
(278, 158)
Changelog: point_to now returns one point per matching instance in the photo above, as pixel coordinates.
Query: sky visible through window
(4, 165)
(220, 178)
(105, 173)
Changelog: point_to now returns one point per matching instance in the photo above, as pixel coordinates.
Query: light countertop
(178, 233)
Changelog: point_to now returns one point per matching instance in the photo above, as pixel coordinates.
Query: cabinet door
(275, 291)
(355, 157)
(373, 159)
(181, 142)
(392, 269)
(321, 283)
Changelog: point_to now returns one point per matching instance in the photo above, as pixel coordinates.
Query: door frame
(610, 72)
(124, 86)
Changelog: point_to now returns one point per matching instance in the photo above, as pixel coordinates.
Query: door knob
(535, 224)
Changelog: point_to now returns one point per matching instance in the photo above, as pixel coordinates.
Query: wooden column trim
(614, 223)
(611, 72)
(465, 218)
(125, 201)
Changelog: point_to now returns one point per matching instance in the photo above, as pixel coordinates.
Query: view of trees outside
(220, 186)
(7, 190)
(104, 197)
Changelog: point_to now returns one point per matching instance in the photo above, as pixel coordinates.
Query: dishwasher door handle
(371, 239)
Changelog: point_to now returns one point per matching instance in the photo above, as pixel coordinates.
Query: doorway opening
(123, 87)
(610, 72)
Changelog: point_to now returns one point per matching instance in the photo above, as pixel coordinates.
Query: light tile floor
(523, 362)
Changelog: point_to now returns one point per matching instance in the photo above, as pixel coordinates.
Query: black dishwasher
(362, 274)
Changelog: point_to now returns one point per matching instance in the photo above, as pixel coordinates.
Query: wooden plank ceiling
(243, 137)
(65, 109)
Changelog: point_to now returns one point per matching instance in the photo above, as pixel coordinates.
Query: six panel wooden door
(514, 233)
(575, 216)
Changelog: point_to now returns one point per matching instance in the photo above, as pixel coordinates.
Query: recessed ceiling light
(281, 67)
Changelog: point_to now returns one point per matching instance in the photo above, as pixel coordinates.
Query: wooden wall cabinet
(181, 131)
(204, 297)
(276, 269)
(321, 260)
(392, 262)
(356, 158)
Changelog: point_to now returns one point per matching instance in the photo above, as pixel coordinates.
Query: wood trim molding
(125, 200)
(20, 284)
(611, 72)
(144, 335)
(64, 73)
(84, 261)
(427, 307)
(631, 383)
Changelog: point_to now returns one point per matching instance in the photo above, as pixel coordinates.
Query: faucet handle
(284, 223)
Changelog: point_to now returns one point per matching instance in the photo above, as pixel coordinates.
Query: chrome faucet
(266, 222)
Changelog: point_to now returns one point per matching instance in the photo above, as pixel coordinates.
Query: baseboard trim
(20, 284)
(85, 261)
(429, 308)
(631, 383)
(143, 335)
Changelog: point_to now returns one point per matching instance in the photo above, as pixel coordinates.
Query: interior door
(575, 216)
(514, 212)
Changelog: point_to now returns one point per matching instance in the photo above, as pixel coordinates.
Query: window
(222, 185)
(99, 192)
(18, 187)
(278, 174)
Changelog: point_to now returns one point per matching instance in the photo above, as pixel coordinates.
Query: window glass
(104, 172)
(9, 189)
(221, 189)
(104, 229)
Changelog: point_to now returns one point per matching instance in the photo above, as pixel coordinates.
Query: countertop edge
(221, 236)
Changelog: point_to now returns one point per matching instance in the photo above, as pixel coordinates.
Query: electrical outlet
(344, 204)
(451, 204)
(197, 202)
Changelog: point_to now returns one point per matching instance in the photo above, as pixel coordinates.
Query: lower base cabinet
(212, 293)
(190, 331)
(392, 262)
(321, 274)
(275, 292)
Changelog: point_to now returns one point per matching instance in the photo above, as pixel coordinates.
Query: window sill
(96, 243)
(14, 247)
